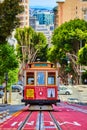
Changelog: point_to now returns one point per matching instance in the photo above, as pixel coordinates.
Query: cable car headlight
(40, 93)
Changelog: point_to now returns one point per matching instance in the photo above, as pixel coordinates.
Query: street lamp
(68, 72)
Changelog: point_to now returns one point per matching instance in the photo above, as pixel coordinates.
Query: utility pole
(6, 80)
(80, 78)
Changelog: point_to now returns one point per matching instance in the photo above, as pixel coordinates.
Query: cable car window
(51, 78)
(50, 92)
(30, 78)
(40, 78)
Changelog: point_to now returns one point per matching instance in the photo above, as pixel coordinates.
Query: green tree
(67, 34)
(42, 53)
(8, 59)
(13, 77)
(67, 39)
(29, 43)
(24, 39)
(9, 9)
(82, 55)
(40, 46)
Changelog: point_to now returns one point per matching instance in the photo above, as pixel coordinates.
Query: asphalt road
(12, 108)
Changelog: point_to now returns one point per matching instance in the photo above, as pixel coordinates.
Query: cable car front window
(40, 78)
(51, 78)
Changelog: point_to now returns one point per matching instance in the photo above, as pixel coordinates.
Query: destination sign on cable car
(40, 64)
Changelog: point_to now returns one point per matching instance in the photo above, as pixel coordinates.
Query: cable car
(40, 83)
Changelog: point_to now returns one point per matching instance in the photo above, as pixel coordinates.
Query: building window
(85, 15)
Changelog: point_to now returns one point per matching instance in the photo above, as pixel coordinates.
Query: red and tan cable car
(40, 83)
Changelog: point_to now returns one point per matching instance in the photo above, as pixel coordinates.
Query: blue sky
(45, 3)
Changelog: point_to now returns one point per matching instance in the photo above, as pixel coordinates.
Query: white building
(47, 30)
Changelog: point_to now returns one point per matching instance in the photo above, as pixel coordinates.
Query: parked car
(65, 90)
(1, 94)
(16, 88)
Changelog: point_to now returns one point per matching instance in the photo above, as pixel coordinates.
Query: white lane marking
(30, 123)
(51, 123)
(14, 123)
(76, 123)
(73, 123)
(20, 123)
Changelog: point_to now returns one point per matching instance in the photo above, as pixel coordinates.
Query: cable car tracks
(35, 120)
(65, 117)
(24, 122)
(39, 122)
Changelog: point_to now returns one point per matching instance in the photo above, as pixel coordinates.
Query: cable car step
(40, 107)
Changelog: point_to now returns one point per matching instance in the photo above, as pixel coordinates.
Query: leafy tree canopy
(67, 34)
(42, 53)
(82, 55)
(8, 59)
(9, 9)
(30, 43)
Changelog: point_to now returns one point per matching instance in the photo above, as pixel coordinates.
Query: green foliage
(9, 9)
(19, 52)
(56, 54)
(39, 40)
(42, 53)
(24, 35)
(68, 69)
(82, 55)
(24, 38)
(8, 59)
(84, 76)
(64, 37)
(12, 77)
(30, 44)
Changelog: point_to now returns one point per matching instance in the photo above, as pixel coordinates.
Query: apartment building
(47, 30)
(24, 17)
(55, 10)
(45, 17)
(71, 9)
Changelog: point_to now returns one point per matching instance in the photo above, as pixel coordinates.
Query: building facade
(55, 10)
(32, 22)
(24, 17)
(46, 30)
(45, 17)
(71, 9)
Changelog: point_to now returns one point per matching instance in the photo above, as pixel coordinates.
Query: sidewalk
(14, 99)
